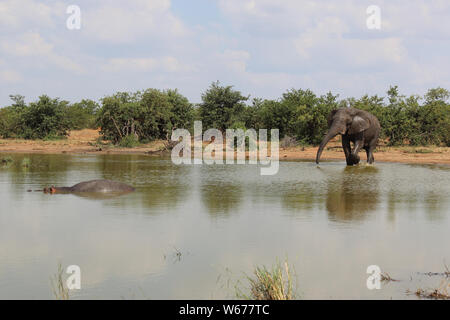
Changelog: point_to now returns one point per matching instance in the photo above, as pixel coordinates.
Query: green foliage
(46, 118)
(82, 115)
(26, 163)
(405, 120)
(221, 107)
(310, 114)
(145, 115)
(127, 118)
(182, 112)
(299, 113)
(11, 124)
(252, 115)
(119, 114)
(6, 162)
(129, 141)
(43, 118)
(276, 115)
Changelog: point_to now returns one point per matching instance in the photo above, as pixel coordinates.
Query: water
(190, 232)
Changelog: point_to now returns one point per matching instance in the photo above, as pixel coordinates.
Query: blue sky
(262, 47)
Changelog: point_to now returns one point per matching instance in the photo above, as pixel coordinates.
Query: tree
(118, 116)
(156, 116)
(82, 115)
(45, 118)
(276, 115)
(252, 115)
(221, 107)
(310, 114)
(434, 117)
(144, 115)
(182, 111)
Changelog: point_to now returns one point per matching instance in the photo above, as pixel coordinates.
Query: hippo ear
(358, 124)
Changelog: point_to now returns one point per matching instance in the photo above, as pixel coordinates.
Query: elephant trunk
(330, 135)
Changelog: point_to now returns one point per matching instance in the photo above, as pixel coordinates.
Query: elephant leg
(347, 149)
(354, 155)
(368, 154)
(370, 158)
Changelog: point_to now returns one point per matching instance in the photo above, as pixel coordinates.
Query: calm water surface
(191, 231)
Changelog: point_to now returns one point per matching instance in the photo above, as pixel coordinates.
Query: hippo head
(50, 190)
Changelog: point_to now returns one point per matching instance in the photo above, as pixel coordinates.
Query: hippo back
(103, 186)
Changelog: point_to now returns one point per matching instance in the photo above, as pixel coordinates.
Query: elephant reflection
(353, 194)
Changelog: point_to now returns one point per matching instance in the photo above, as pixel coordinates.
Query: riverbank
(86, 141)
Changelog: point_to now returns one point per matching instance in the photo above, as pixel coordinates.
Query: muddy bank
(86, 141)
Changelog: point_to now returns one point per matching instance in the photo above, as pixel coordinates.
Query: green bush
(182, 111)
(146, 115)
(82, 115)
(310, 115)
(44, 118)
(405, 121)
(129, 141)
(127, 118)
(221, 107)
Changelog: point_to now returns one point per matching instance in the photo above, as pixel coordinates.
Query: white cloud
(415, 18)
(164, 64)
(17, 14)
(31, 44)
(127, 21)
(10, 76)
(263, 47)
(234, 60)
(326, 43)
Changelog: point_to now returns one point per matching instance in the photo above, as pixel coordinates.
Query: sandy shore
(85, 141)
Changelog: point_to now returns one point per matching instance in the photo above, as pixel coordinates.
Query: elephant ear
(358, 124)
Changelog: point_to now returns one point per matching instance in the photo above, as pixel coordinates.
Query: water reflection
(99, 195)
(302, 198)
(41, 171)
(221, 199)
(159, 184)
(221, 189)
(353, 193)
(227, 216)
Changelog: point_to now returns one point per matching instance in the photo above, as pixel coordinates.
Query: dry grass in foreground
(60, 291)
(386, 277)
(275, 284)
(440, 293)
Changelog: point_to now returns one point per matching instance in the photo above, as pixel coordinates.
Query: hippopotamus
(94, 186)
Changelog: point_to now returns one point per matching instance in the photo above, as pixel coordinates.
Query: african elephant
(357, 126)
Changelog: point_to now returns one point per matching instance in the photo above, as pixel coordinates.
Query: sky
(261, 47)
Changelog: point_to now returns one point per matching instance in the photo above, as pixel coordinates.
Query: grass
(53, 137)
(423, 151)
(385, 277)
(100, 143)
(288, 142)
(60, 291)
(7, 161)
(440, 293)
(270, 284)
(26, 163)
(129, 141)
